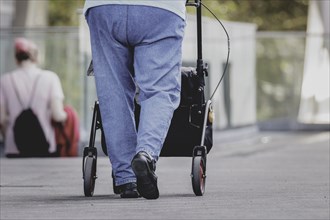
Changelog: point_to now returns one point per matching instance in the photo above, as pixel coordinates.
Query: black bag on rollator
(186, 127)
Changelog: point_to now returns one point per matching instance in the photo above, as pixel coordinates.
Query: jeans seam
(127, 41)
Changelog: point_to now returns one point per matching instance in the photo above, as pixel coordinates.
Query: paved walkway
(265, 176)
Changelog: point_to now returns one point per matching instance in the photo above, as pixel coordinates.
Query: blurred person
(30, 87)
(136, 44)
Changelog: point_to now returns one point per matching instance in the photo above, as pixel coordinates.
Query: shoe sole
(146, 181)
(129, 195)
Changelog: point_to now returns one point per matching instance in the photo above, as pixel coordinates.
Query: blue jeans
(135, 47)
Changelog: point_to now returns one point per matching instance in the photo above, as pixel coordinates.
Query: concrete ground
(257, 176)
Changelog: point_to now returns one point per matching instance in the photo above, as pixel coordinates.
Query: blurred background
(278, 76)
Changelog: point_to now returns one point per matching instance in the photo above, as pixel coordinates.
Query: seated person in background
(29, 87)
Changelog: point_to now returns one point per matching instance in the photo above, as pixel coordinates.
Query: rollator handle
(195, 4)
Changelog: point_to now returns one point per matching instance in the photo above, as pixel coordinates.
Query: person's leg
(157, 35)
(113, 67)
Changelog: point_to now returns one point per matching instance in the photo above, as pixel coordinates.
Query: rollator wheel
(89, 175)
(198, 176)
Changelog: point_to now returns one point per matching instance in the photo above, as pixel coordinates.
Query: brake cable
(228, 45)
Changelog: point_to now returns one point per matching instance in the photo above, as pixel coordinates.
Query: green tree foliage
(269, 15)
(64, 12)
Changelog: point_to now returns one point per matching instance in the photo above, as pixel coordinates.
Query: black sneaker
(128, 190)
(144, 168)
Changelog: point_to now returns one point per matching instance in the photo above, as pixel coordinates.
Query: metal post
(199, 38)
(200, 64)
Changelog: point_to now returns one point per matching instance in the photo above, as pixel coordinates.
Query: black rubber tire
(89, 176)
(198, 176)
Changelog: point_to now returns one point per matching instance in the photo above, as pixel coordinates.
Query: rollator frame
(199, 152)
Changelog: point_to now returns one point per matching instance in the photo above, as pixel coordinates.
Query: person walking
(136, 44)
(33, 93)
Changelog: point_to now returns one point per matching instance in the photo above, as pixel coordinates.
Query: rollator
(190, 132)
